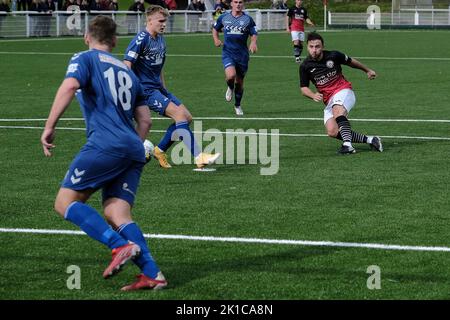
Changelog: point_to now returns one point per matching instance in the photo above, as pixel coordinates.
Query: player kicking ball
(146, 55)
(323, 69)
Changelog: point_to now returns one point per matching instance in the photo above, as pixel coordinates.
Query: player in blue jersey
(146, 55)
(113, 157)
(237, 26)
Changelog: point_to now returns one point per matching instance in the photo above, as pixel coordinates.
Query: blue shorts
(159, 99)
(241, 68)
(92, 168)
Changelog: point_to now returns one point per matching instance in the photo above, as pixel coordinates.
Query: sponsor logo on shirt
(154, 54)
(235, 29)
(323, 79)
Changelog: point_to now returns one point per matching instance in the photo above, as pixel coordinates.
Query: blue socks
(145, 262)
(166, 141)
(238, 93)
(185, 134)
(90, 221)
(96, 227)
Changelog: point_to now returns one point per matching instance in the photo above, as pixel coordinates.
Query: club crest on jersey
(330, 64)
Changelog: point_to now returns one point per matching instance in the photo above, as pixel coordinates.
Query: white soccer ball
(149, 148)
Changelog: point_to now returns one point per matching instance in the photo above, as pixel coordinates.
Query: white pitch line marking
(379, 246)
(249, 119)
(191, 35)
(246, 133)
(218, 56)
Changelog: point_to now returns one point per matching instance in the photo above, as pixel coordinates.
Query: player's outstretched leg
(183, 132)
(376, 144)
(160, 150)
(204, 159)
(90, 221)
(151, 276)
(346, 134)
(374, 141)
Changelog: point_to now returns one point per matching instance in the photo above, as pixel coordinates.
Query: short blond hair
(152, 9)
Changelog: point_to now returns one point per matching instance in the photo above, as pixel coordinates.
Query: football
(149, 148)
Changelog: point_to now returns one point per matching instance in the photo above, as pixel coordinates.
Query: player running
(237, 26)
(295, 24)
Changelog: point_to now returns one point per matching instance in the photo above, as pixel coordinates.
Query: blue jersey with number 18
(109, 93)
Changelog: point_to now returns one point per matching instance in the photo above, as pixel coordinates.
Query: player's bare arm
(143, 121)
(288, 23)
(163, 81)
(307, 92)
(358, 65)
(129, 64)
(253, 48)
(217, 41)
(309, 21)
(63, 97)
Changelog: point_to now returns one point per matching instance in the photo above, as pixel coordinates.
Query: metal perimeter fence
(402, 18)
(63, 23)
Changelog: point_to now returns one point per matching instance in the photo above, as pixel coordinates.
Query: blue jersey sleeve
(218, 25)
(135, 48)
(79, 69)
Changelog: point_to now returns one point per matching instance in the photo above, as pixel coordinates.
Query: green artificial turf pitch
(398, 197)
